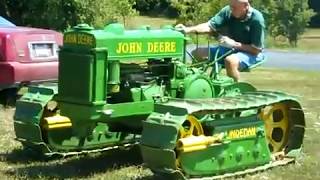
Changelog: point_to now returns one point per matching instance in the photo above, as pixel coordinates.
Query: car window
(5, 23)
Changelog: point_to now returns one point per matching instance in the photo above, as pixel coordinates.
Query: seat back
(254, 65)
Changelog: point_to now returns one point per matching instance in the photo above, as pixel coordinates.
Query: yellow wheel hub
(276, 122)
(191, 126)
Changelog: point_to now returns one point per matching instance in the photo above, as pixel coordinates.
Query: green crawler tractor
(121, 87)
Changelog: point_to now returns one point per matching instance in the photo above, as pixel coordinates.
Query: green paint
(121, 86)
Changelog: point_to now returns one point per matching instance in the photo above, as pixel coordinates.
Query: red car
(27, 55)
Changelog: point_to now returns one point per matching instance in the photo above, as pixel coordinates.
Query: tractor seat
(254, 65)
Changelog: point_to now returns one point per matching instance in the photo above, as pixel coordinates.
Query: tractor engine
(133, 76)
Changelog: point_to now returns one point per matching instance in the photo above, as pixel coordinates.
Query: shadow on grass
(8, 97)
(21, 156)
(72, 167)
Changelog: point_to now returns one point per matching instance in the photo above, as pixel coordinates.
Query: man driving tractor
(244, 34)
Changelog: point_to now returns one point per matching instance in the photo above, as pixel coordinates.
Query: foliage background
(63, 14)
(284, 18)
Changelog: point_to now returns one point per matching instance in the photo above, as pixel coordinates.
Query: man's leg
(232, 63)
(239, 61)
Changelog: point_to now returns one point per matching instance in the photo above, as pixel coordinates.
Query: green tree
(197, 11)
(97, 13)
(63, 14)
(290, 19)
(266, 7)
(123, 9)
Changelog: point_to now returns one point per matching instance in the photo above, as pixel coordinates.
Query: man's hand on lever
(225, 41)
(200, 28)
(181, 28)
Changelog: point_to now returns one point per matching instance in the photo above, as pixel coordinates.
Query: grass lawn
(312, 32)
(306, 43)
(18, 164)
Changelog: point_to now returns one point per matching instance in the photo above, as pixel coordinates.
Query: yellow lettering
(237, 133)
(173, 47)
(131, 47)
(167, 47)
(231, 134)
(118, 50)
(90, 40)
(125, 48)
(79, 39)
(252, 131)
(150, 47)
(139, 47)
(161, 47)
(156, 47)
(242, 133)
(70, 38)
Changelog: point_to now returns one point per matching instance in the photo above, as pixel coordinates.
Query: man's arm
(248, 48)
(230, 43)
(205, 28)
(200, 28)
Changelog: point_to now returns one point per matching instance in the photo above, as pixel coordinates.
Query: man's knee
(232, 61)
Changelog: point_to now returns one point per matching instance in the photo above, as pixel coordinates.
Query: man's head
(239, 8)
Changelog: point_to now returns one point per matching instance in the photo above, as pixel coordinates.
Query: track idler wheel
(276, 120)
